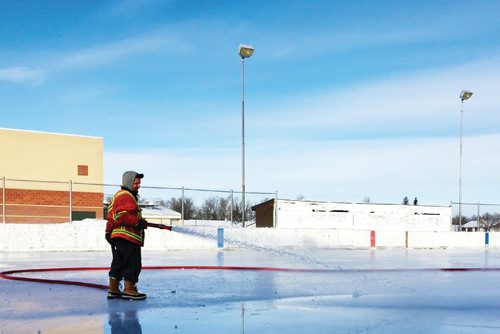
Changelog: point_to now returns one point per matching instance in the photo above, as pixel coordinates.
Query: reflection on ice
(225, 301)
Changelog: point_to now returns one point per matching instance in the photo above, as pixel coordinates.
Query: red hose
(8, 274)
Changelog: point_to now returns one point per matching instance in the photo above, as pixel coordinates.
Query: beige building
(50, 177)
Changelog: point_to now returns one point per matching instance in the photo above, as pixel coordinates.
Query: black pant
(124, 322)
(126, 262)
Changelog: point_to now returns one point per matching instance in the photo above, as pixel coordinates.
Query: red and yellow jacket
(123, 215)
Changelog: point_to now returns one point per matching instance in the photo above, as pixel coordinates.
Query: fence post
(70, 201)
(3, 199)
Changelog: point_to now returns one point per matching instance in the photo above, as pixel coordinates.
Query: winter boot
(114, 288)
(130, 292)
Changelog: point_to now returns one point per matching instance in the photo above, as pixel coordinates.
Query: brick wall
(48, 206)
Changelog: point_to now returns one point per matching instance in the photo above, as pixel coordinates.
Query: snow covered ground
(355, 294)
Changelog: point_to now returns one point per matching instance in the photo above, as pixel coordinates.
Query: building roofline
(370, 203)
(51, 133)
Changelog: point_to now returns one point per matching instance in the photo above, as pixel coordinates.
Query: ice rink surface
(355, 291)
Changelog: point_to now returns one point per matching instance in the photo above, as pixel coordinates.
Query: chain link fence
(36, 201)
(476, 216)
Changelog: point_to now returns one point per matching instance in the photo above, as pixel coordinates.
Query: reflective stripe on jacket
(123, 216)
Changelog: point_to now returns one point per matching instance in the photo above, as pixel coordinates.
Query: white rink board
(90, 237)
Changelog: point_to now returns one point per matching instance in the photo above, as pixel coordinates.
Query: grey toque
(129, 177)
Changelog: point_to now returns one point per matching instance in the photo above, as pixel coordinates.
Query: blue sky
(344, 99)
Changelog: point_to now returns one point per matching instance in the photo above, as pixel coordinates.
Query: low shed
(358, 216)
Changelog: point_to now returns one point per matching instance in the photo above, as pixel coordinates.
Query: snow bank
(88, 235)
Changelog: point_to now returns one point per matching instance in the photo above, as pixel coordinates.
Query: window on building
(83, 170)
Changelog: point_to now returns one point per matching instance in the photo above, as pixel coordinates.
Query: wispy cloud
(385, 170)
(427, 100)
(130, 7)
(319, 43)
(156, 41)
(338, 36)
(22, 75)
(148, 43)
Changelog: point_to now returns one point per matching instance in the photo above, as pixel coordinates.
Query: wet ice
(353, 298)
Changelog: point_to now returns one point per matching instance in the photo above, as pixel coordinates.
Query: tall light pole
(245, 51)
(464, 95)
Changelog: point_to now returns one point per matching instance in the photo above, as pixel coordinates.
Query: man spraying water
(125, 233)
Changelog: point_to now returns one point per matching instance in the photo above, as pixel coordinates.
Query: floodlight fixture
(465, 95)
(245, 51)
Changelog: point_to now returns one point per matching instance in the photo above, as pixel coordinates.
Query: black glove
(108, 238)
(142, 224)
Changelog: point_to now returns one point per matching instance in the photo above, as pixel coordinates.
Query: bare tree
(208, 209)
(249, 214)
(189, 207)
(215, 208)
